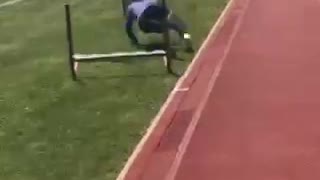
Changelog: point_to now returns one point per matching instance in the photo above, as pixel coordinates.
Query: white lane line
(178, 87)
(182, 149)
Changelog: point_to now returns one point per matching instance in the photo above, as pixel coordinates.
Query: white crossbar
(119, 54)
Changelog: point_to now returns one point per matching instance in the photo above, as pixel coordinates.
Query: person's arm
(129, 25)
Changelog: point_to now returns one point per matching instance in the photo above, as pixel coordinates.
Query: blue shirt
(135, 10)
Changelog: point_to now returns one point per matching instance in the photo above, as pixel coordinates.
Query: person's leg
(183, 35)
(176, 23)
(174, 18)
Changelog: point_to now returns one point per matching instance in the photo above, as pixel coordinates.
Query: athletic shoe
(188, 43)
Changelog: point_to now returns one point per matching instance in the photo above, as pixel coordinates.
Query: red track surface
(252, 111)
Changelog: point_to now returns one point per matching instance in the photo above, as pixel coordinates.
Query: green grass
(54, 129)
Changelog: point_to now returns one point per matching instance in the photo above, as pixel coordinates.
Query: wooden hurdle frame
(75, 58)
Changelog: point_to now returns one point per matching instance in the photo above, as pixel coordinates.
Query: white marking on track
(181, 89)
(9, 3)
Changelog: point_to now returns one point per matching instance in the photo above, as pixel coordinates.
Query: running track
(249, 106)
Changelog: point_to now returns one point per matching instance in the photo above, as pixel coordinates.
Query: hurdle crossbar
(88, 57)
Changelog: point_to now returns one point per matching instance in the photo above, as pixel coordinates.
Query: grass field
(54, 129)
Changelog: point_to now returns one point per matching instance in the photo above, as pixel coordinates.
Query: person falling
(150, 15)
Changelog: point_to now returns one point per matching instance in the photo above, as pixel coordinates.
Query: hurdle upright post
(70, 41)
(167, 46)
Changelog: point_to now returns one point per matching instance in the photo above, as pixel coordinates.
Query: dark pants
(151, 21)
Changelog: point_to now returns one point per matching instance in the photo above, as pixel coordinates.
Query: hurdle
(75, 58)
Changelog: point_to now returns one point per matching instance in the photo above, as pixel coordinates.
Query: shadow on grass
(83, 80)
(123, 76)
(130, 76)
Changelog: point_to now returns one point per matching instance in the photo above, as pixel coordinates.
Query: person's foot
(188, 43)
